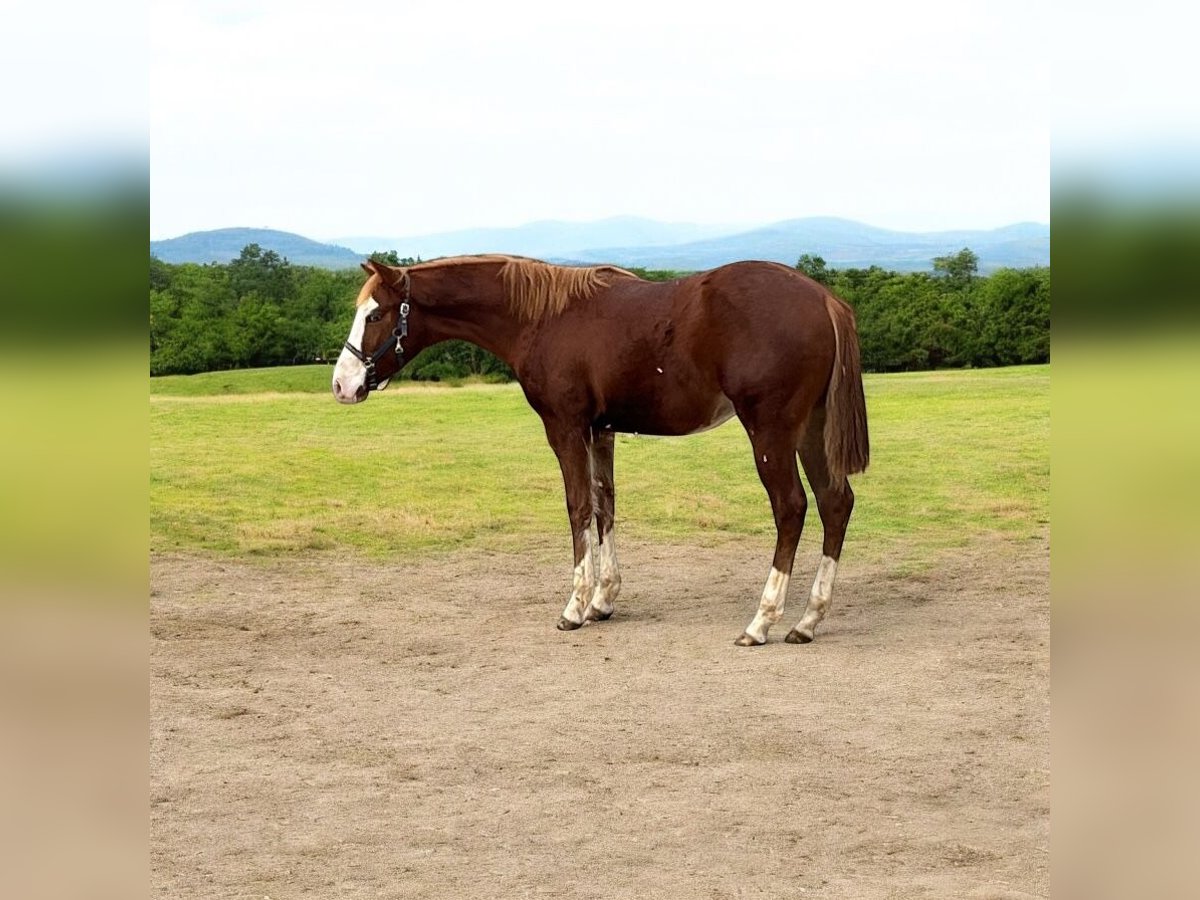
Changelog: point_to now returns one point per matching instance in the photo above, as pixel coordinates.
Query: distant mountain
(543, 239)
(630, 241)
(843, 244)
(225, 244)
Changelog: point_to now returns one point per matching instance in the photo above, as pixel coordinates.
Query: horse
(598, 350)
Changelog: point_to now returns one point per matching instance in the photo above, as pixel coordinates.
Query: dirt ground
(338, 729)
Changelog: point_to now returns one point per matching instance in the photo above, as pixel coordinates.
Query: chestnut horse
(598, 350)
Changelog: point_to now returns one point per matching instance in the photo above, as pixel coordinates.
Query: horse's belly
(719, 416)
(667, 416)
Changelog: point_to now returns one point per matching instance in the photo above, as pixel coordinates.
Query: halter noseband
(399, 333)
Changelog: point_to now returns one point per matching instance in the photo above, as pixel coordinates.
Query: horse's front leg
(608, 573)
(572, 446)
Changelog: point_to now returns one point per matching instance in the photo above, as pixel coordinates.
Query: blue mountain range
(632, 241)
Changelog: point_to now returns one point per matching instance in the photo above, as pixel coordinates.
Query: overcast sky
(404, 118)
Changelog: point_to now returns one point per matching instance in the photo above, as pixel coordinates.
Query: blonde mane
(534, 288)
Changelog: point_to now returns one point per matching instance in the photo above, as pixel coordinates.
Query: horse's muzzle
(357, 396)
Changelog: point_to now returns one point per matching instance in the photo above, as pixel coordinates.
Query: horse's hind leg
(775, 457)
(834, 503)
(608, 575)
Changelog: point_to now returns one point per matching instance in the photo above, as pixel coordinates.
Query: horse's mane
(535, 288)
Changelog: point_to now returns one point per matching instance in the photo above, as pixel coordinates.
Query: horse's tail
(847, 447)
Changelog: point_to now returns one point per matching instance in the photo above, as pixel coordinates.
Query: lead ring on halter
(398, 334)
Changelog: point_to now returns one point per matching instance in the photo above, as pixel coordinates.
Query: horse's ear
(386, 272)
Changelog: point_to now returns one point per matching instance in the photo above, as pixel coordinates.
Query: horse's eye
(374, 317)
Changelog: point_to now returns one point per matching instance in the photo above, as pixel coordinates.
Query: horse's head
(374, 352)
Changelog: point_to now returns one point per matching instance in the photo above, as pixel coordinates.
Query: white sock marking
(583, 583)
(770, 607)
(608, 584)
(821, 597)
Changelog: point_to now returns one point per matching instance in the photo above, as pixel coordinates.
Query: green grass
(281, 380)
(284, 379)
(955, 455)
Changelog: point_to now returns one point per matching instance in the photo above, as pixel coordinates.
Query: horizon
(734, 228)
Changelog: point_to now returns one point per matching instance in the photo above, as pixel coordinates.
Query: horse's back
(753, 290)
(670, 358)
(769, 329)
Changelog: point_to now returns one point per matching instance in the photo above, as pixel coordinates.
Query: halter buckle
(401, 330)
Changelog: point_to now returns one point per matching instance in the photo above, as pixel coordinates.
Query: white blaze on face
(822, 596)
(770, 607)
(350, 374)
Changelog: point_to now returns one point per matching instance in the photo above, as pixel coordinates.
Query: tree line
(951, 317)
(259, 310)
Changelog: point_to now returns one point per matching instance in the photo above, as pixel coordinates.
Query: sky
(396, 119)
(408, 118)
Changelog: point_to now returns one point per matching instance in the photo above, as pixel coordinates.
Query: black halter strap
(399, 333)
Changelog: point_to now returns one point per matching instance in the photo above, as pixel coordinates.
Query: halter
(398, 334)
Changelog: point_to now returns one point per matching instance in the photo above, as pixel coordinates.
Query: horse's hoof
(746, 641)
(798, 637)
(592, 616)
(565, 624)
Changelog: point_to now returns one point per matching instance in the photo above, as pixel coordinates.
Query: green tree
(260, 311)
(814, 267)
(1015, 317)
(261, 272)
(160, 274)
(656, 274)
(392, 258)
(960, 268)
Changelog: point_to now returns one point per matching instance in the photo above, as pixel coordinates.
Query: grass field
(265, 462)
(284, 379)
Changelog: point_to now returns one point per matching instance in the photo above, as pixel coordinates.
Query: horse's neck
(478, 312)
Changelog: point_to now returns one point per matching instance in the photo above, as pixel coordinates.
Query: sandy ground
(338, 729)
